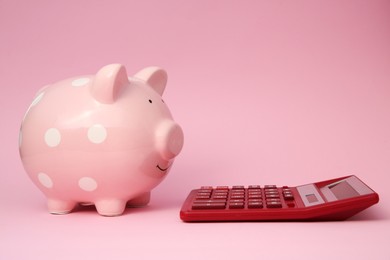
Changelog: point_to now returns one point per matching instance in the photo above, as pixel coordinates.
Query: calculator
(335, 199)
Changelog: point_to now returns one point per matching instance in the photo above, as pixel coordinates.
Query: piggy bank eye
(150, 101)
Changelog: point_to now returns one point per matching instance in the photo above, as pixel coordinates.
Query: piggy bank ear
(154, 77)
(108, 82)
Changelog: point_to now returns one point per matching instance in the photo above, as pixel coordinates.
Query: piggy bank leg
(59, 207)
(139, 201)
(110, 207)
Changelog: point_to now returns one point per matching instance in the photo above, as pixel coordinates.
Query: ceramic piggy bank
(104, 139)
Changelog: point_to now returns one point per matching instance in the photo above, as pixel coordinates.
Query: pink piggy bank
(105, 139)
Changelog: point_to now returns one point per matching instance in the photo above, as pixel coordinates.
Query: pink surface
(267, 92)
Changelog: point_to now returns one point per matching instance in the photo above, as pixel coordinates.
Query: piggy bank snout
(170, 139)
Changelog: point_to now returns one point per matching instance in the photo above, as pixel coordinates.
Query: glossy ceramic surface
(104, 139)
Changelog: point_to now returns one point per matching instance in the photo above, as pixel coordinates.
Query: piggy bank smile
(162, 169)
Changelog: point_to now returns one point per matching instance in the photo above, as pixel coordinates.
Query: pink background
(267, 92)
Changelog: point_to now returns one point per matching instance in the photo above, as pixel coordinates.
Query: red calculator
(336, 199)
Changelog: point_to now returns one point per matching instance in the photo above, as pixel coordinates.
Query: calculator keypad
(278, 203)
(240, 197)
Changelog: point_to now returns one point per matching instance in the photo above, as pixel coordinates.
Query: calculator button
(242, 194)
(220, 192)
(254, 187)
(255, 193)
(213, 205)
(236, 200)
(208, 201)
(238, 196)
(238, 187)
(270, 187)
(291, 204)
(255, 204)
(254, 196)
(219, 196)
(273, 199)
(202, 197)
(272, 195)
(222, 187)
(255, 201)
(202, 193)
(251, 200)
(271, 192)
(274, 204)
(288, 196)
(236, 205)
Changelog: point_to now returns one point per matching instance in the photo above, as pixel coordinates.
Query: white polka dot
(52, 137)
(97, 134)
(45, 180)
(87, 184)
(80, 82)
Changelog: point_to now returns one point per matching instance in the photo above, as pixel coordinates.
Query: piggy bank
(104, 139)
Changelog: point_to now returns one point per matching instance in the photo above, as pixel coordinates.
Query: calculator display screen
(350, 187)
(343, 190)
